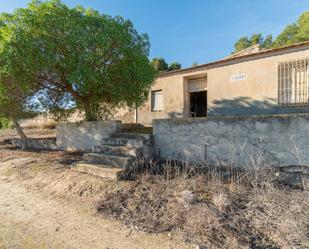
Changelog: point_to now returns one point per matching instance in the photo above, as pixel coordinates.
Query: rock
(186, 197)
(293, 180)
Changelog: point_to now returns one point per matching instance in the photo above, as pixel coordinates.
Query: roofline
(207, 65)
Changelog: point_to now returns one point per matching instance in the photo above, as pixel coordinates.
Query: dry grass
(247, 209)
(217, 208)
(39, 124)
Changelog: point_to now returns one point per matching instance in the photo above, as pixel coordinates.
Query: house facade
(273, 81)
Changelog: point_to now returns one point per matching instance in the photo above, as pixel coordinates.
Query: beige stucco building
(256, 81)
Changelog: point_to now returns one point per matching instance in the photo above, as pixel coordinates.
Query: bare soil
(43, 204)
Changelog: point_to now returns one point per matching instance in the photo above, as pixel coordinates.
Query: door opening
(198, 104)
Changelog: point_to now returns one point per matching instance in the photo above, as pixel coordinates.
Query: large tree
(15, 105)
(73, 56)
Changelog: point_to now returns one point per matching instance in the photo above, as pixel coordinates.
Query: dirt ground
(43, 204)
(34, 220)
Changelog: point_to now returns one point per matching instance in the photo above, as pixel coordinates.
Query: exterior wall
(258, 94)
(125, 115)
(173, 101)
(83, 136)
(243, 141)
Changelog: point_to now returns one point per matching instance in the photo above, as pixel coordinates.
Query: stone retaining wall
(281, 140)
(82, 136)
(36, 143)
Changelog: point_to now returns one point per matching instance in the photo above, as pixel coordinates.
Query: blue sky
(190, 31)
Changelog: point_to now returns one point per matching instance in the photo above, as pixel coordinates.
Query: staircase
(115, 154)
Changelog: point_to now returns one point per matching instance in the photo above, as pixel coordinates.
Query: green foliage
(242, 44)
(245, 42)
(159, 65)
(256, 39)
(268, 42)
(295, 32)
(287, 36)
(174, 66)
(292, 33)
(74, 56)
(5, 123)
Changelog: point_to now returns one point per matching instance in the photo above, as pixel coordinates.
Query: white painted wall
(82, 136)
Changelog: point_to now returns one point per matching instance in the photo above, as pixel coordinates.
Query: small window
(156, 101)
(293, 82)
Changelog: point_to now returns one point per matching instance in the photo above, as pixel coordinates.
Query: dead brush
(212, 206)
(40, 124)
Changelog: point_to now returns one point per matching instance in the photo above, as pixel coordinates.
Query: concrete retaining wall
(279, 140)
(82, 136)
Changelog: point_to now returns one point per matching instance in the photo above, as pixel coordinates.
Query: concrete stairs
(114, 155)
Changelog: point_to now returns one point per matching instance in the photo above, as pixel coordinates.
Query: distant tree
(292, 33)
(245, 42)
(287, 36)
(71, 55)
(194, 64)
(242, 44)
(303, 27)
(256, 39)
(267, 42)
(159, 64)
(174, 66)
(295, 32)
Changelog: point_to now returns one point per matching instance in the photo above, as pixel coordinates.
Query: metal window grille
(293, 82)
(197, 85)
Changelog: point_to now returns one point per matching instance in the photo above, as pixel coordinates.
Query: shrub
(5, 123)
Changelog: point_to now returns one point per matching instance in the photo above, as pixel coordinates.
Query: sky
(194, 31)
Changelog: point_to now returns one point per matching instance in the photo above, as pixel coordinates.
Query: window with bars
(293, 82)
(156, 101)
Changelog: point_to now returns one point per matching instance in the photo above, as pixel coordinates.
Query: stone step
(120, 150)
(123, 141)
(113, 160)
(136, 136)
(100, 170)
(295, 169)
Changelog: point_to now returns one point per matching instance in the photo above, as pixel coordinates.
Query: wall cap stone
(178, 121)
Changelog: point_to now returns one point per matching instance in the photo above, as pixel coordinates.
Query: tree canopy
(174, 66)
(245, 42)
(292, 33)
(160, 65)
(74, 56)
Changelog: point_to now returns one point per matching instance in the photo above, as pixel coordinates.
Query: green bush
(5, 123)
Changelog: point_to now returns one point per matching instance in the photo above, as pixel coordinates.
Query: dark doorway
(198, 104)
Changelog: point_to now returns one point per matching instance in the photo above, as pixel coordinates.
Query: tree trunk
(22, 135)
(90, 111)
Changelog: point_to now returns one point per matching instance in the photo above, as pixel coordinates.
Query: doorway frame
(186, 93)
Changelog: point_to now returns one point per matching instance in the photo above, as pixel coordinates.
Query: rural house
(253, 81)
